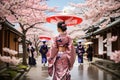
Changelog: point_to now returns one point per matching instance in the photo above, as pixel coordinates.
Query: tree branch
(31, 26)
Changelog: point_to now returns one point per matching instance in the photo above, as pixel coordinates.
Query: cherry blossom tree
(28, 13)
(94, 10)
(76, 32)
(33, 35)
(11, 59)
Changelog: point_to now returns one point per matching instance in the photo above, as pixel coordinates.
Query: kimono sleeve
(46, 49)
(53, 50)
(41, 49)
(77, 50)
(32, 49)
(71, 53)
(83, 50)
(51, 56)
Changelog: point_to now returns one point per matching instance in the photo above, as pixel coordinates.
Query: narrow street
(86, 71)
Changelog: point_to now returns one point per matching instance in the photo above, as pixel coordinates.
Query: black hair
(44, 42)
(79, 42)
(62, 25)
(30, 43)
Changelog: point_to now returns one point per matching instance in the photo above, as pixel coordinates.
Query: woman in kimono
(31, 50)
(43, 50)
(61, 55)
(80, 51)
(89, 53)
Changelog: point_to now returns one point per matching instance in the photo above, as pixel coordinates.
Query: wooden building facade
(104, 50)
(9, 37)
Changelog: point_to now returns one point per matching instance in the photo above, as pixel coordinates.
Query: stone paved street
(86, 71)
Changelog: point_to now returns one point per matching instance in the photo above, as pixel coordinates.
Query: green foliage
(21, 66)
(11, 73)
(75, 42)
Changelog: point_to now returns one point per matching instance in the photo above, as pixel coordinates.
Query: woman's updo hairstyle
(62, 25)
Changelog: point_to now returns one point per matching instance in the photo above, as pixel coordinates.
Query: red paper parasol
(44, 38)
(70, 20)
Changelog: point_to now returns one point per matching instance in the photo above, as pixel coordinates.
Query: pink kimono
(60, 63)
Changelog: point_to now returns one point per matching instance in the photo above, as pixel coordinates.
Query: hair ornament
(63, 24)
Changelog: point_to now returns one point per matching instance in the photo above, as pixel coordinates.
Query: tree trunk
(24, 50)
(37, 50)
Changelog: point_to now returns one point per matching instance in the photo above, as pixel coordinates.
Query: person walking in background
(43, 50)
(80, 51)
(61, 55)
(89, 52)
(31, 60)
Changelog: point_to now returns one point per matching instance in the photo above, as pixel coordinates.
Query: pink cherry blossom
(105, 40)
(10, 59)
(94, 10)
(115, 56)
(113, 38)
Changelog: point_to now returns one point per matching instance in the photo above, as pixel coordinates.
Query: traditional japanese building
(102, 45)
(9, 37)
